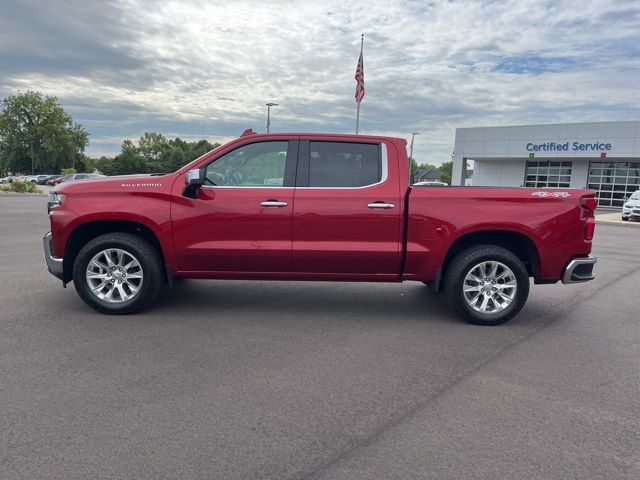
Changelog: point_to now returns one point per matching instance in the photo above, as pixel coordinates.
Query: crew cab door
(241, 219)
(347, 217)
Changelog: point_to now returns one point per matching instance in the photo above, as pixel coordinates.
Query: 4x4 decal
(552, 194)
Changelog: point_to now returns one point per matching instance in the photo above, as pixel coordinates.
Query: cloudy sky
(125, 67)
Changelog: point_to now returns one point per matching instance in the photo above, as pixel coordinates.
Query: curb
(21, 194)
(619, 223)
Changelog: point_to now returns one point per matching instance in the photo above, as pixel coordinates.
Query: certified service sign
(566, 146)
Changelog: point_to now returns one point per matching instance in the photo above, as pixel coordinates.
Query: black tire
(462, 264)
(625, 219)
(150, 263)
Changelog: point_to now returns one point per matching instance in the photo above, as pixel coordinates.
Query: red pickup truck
(315, 207)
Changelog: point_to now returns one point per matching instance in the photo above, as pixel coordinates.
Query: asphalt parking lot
(242, 380)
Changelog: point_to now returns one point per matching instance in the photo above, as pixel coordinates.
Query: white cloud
(429, 66)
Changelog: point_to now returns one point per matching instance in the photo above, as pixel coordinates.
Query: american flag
(360, 79)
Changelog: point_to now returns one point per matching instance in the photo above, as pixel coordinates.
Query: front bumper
(54, 264)
(579, 270)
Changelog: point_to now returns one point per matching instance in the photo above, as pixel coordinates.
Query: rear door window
(343, 164)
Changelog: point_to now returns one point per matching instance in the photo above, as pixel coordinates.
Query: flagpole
(358, 102)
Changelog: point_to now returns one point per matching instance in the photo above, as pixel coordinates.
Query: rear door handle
(380, 205)
(274, 203)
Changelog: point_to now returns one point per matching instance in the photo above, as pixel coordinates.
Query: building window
(613, 181)
(543, 174)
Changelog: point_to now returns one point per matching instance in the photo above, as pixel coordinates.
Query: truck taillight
(589, 204)
(589, 228)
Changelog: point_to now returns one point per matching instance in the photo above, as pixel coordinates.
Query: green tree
(446, 171)
(151, 145)
(173, 159)
(197, 149)
(37, 135)
(171, 155)
(178, 142)
(129, 161)
(413, 170)
(84, 164)
(105, 165)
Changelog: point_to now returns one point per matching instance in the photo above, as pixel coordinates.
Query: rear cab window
(326, 164)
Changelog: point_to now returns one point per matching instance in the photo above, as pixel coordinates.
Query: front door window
(255, 165)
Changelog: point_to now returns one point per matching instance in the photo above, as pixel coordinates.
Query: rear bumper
(54, 264)
(579, 270)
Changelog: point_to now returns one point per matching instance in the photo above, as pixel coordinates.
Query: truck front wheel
(487, 284)
(118, 273)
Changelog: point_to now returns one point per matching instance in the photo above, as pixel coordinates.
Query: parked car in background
(8, 179)
(32, 178)
(73, 176)
(79, 176)
(39, 178)
(631, 208)
(29, 178)
(430, 184)
(47, 178)
(54, 181)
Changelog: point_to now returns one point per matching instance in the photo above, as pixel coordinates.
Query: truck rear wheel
(118, 273)
(487, 284)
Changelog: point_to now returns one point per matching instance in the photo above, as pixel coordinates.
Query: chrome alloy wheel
(489, 287)
(114, 275)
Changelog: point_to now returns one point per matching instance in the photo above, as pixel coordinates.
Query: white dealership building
(603, 156)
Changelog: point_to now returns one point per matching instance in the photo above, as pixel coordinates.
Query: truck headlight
(55, 200)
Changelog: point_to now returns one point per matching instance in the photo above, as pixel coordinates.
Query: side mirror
(194, 179)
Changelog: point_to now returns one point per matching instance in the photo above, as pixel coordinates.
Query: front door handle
(274, 203)
(380, 205)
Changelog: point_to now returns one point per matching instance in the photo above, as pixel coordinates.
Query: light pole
(413, 135)
(269, 105)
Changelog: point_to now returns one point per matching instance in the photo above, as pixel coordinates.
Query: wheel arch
(518, 243)
(90, 230)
